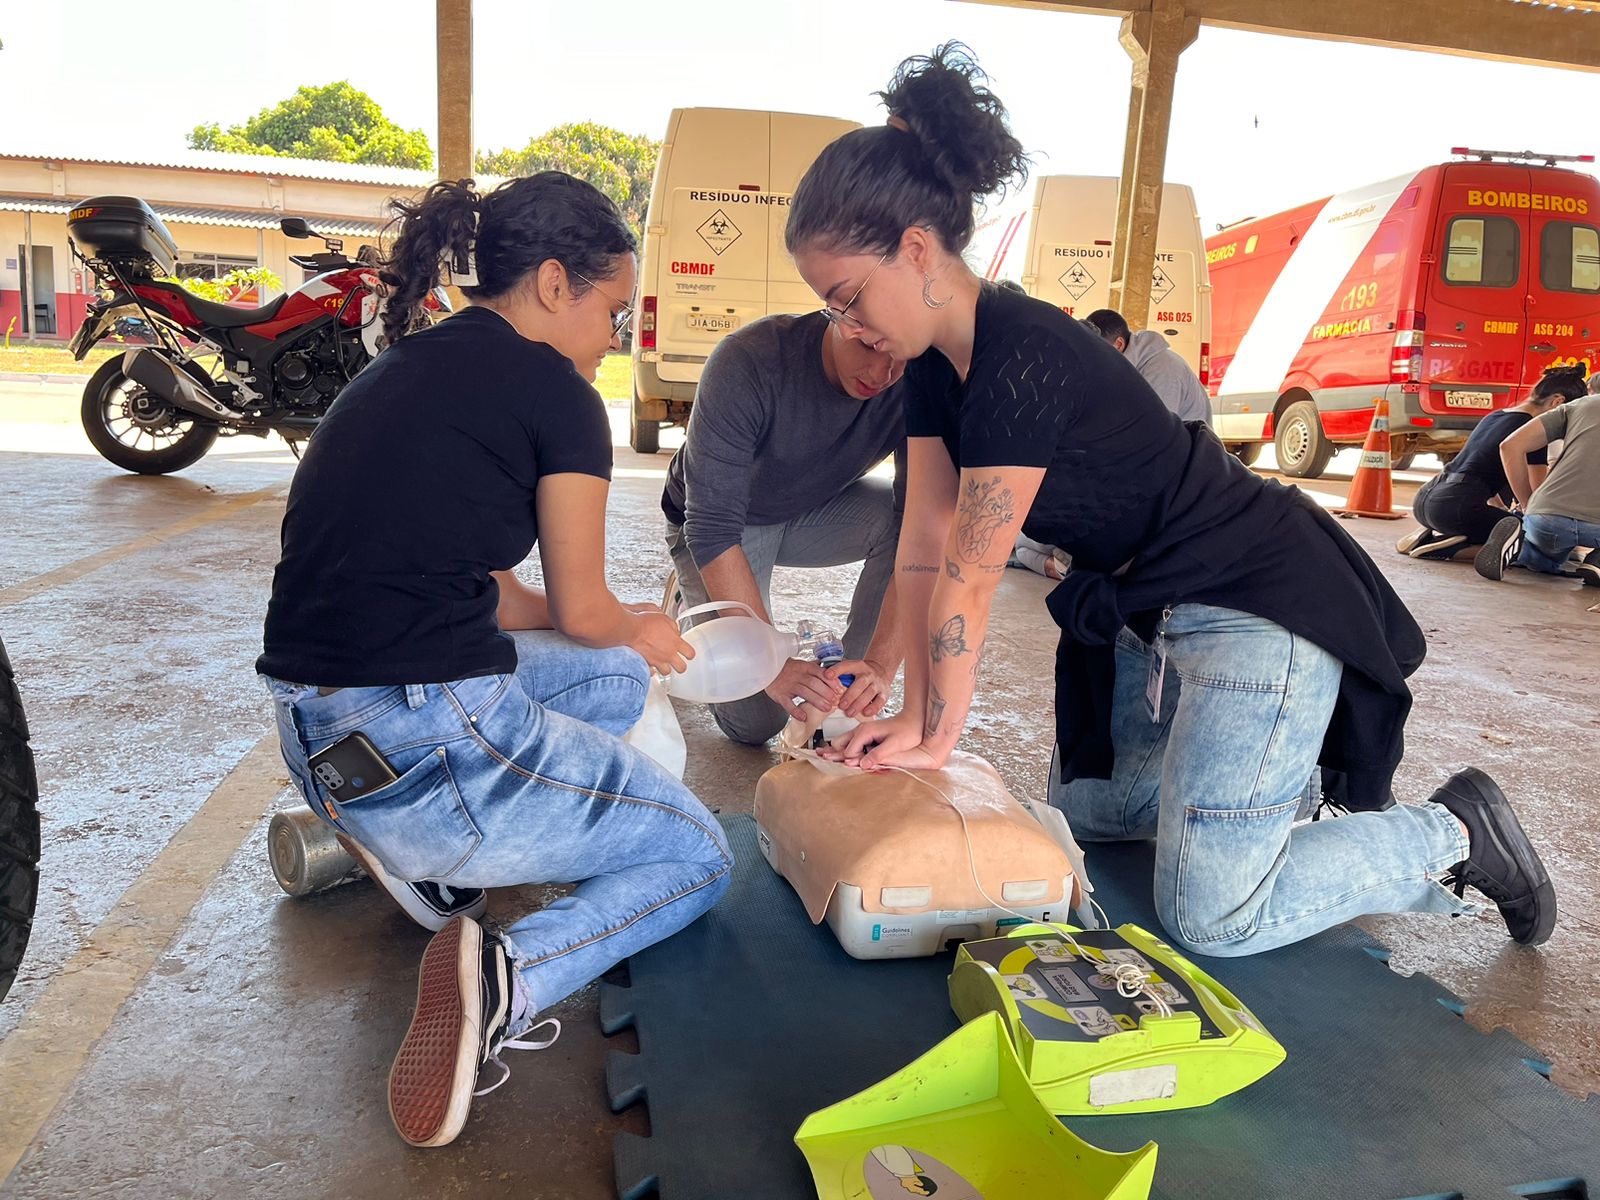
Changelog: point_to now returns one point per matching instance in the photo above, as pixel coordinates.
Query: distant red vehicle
(1448, 291)
(213, 369)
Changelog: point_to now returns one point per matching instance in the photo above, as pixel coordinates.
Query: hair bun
(943, 100)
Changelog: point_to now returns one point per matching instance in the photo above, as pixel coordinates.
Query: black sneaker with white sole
(431, 905)
(1439, 546)
(1501, 862)
(466, 1006)
(1410, 541)
(1501, 550)
(1588, 571)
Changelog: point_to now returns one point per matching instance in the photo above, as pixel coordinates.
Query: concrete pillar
(454, 36)
(30, 322)
(1154, 40)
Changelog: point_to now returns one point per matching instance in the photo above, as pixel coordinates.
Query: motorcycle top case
(122, 229)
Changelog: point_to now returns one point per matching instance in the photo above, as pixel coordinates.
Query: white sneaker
(431, 905)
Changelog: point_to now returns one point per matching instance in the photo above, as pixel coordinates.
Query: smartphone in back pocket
(351, 768)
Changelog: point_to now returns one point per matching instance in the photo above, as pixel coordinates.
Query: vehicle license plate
(713, 322)
(1469, 399)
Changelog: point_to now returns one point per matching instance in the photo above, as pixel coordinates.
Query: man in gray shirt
(1163, 369)
(1564, 512)
(788, 420)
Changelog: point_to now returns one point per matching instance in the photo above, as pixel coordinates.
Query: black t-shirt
(1480, 457)
(1127, 482)
(419, 482)
(1043, 391)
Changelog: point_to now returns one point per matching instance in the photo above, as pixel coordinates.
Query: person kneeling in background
(1564, 513)
(1459, 507)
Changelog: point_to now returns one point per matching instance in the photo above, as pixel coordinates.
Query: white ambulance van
(713, 257)
(1060, 251)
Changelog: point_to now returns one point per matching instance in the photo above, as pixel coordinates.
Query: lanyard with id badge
(1158, 669)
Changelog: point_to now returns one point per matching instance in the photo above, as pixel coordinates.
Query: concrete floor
(181, 1028)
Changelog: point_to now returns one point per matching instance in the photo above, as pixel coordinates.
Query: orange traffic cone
(1372, 491)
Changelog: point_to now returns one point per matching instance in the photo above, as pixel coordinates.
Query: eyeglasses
(624, 314)
(842, 316)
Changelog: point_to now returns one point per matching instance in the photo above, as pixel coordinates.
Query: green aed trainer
(1181, 1040)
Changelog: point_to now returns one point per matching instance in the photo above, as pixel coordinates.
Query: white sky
(1331, 116)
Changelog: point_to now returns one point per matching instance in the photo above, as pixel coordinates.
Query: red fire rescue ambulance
(1448, 291)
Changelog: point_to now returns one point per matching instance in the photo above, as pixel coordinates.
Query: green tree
(234, 283)
(622, 165)
(335, 123)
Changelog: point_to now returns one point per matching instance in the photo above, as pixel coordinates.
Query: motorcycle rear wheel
(137, 431)
(19, 829)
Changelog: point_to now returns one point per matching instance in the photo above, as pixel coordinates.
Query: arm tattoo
(985, 507)
(951, 640)
(953, 571)
(977, 658)
(918, 568)
(935, 711)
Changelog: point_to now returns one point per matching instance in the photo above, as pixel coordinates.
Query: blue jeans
(520, 778)
(1221, 779)
(1548, 539)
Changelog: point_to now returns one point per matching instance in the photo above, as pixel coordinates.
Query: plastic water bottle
(738, 654)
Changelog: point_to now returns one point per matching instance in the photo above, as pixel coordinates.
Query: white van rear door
(1175, 304)
(713, 277)
(797, 139)
(1074, 276)
(713, 270)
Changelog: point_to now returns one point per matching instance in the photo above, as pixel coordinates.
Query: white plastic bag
(658, 733)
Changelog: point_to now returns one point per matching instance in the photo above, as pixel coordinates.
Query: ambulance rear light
(1424, 422)
(1205, 363)
(1405, 366)
(647, 323)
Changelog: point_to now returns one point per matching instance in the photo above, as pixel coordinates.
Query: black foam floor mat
(753, 1018)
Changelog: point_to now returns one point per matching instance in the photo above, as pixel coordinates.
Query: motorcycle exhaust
(156, 373)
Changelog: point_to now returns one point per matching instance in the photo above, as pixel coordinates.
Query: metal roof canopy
(184, 214)
(1549, 33)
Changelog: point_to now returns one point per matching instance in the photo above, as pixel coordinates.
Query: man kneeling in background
(789, 419)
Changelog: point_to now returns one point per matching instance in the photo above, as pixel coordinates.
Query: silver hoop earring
(927, 293)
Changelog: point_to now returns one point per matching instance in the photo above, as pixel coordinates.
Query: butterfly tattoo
(951, 640)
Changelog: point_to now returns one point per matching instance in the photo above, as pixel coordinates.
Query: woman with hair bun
(458, 727)
(1221, 635)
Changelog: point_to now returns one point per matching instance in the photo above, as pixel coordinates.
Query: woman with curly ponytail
(1222, 637)
(1460, 506)
(458, 727)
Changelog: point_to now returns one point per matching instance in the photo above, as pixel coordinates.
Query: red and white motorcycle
(214, 369)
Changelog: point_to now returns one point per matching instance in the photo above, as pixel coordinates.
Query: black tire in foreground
(19, 829)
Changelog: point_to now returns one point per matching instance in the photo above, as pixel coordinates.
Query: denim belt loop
(416, 695)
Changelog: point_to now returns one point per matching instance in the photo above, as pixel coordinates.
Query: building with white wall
(222, 210)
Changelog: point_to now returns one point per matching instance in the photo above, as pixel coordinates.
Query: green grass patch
(54, 360)
(615, 381)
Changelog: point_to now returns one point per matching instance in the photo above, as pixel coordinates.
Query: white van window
(1569, 257)
(1482, 252)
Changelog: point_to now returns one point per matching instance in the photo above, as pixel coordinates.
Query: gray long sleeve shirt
(1163, 369)
(770, 438)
